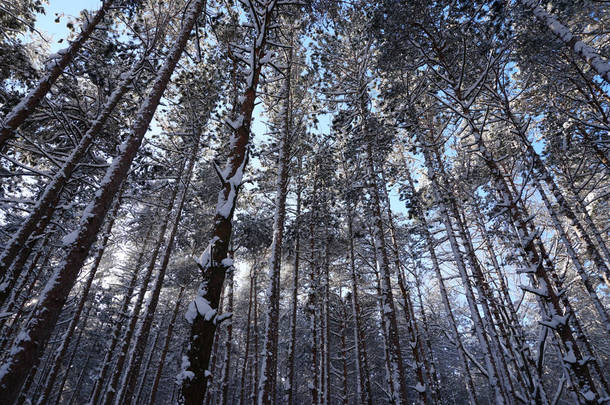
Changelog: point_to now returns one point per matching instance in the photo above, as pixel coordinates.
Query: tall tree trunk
(387, 297)
(430, 243)
(344, 385)
(27, 352)
(540, 269)
(226, 368)
(114, 391)
(565, 210)
(269, 363)
(242, 390)
(422, 385)
(118, 324)
(72, 356)
(214, 261)
(64, 345)
(151, 353)
(295, 291)
(129, 382)
(312, 305)
(362, 369)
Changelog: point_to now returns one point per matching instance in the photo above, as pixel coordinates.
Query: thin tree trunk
(445, 298)
(118, 325)
(540, 269)
(226, 369)
(270, 351)
(387, 297)
(144, 373)
(164, 351)
(295, 291)
(242, 390)
(415, 343)
(115, 390)
(362, 369)
(128, 385)
(72, 356)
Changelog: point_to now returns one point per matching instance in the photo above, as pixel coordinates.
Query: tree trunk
(118, 325)
(166, 344)
(46, 204)
(269, 364)
(27, 352)
(588, 54)
(64, 345)
(128, 385)
(125, 354)
(387, 297)
(295, 290)
(214, 261)
(362, 368)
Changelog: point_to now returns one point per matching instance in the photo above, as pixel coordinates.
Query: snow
(227, 262)
(4, 369)
(420, 388)
(205, 260)
(184, 374)
(555, 321)
(569, 357)
(236, 123)
(23, 336)
(199, 306)
(589, 395)
(70, 238)
(537, 291)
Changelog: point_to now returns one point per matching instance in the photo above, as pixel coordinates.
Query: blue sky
(66, 9)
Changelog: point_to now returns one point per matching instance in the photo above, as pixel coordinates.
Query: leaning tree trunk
(596, 62)
(26, 352)
(115, 389)
(540, 269)
(55, 68)
(72, 356)
(564, 209)
(63, 346)
(430, 243)
(214, 262)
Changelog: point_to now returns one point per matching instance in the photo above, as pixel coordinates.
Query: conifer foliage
(289, 202)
